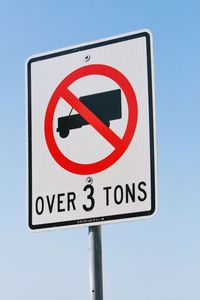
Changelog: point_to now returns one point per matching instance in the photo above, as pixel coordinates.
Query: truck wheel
(64, 134)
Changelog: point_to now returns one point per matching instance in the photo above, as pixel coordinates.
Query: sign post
(92, 138)
(95, 263)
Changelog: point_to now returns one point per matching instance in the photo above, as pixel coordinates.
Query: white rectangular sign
(91, 133)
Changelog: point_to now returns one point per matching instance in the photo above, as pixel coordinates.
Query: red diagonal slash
(91, 118)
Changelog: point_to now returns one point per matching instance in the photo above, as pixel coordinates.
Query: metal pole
(95, 263)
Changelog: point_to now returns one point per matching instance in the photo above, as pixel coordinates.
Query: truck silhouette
(106, 106)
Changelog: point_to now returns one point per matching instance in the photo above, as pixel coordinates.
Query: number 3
(90, 197)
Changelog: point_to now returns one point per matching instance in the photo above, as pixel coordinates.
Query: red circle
(124, 84)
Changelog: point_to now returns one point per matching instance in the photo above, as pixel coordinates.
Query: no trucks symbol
(92, 110)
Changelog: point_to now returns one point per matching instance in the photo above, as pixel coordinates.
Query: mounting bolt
(87, 57)
(89, 180)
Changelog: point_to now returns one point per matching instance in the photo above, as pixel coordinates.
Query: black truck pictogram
(106, 106)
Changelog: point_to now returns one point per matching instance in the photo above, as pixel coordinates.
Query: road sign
(91, 133)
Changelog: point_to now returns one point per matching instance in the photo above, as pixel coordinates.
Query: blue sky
(152, 259)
